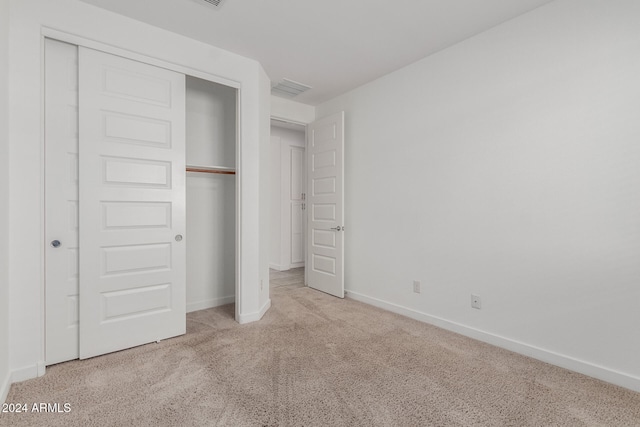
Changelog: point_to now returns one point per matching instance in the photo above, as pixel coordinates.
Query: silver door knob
(338, 228)
(56, 243)
(178, 237)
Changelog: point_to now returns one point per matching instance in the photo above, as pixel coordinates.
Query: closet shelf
(211, 169)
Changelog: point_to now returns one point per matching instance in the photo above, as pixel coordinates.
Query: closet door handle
(178, 237)
(56, 243)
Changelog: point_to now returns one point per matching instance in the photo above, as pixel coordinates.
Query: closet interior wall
(211, 197)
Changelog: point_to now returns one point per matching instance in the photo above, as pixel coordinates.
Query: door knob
(56, 243)
(338, 228)
(178, 237)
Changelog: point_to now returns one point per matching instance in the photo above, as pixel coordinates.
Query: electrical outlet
(476, 302)
(416, 286)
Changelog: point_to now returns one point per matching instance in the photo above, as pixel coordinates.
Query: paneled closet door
(61, 201)
(132, 203)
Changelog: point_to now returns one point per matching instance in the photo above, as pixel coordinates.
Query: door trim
(62, 36)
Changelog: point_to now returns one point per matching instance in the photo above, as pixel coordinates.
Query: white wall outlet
(476, 302)
(416, 286)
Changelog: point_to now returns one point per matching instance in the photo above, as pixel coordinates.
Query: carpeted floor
(318, 360)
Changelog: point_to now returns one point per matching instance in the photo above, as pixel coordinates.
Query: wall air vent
(289, 88)
(217, 4)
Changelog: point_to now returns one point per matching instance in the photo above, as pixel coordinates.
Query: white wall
(4, 195)
(264, 235)
(507, 166)
(280, 249)
(211, 123)
(28, 17)
(211, 198)
(292, 111)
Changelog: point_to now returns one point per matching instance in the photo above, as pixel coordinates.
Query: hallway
(293, 278)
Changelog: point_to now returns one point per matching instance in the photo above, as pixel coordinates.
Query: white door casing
(132, 203)
(61, 201)
(325, 205)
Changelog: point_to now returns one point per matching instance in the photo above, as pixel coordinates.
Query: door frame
(304, 215)
(50, 33)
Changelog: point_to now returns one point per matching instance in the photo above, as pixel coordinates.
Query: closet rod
(204, 169)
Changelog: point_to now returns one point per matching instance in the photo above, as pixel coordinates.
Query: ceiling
(333, 46)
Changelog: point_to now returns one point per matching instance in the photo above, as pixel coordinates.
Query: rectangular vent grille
(289, 88)
(215, 3)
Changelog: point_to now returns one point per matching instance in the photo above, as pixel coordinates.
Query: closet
(211, 193)
(136, 241)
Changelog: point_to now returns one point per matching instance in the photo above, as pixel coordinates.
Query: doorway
(288, 196)
(307, 203)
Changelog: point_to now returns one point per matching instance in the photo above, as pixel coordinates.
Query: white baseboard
(254, 317)
(28, 372)
(210, 303)
(5, 385)
(596, 371)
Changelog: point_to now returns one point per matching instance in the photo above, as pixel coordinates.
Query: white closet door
(61, 201)
(325, 202)
(132, 203)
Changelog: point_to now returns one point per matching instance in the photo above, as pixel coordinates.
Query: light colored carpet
(318, 360)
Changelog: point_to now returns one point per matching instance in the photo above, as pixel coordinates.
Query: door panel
(61, 201)
(325, 202)
(132, 203)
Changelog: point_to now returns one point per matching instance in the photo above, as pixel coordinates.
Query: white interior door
(132, 203)
(61, 201)
(325, 204)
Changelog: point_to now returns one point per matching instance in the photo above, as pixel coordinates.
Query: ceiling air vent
(217, 4)
(289, 88)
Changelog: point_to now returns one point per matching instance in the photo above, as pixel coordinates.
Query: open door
(132, 203)
(325, 204)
